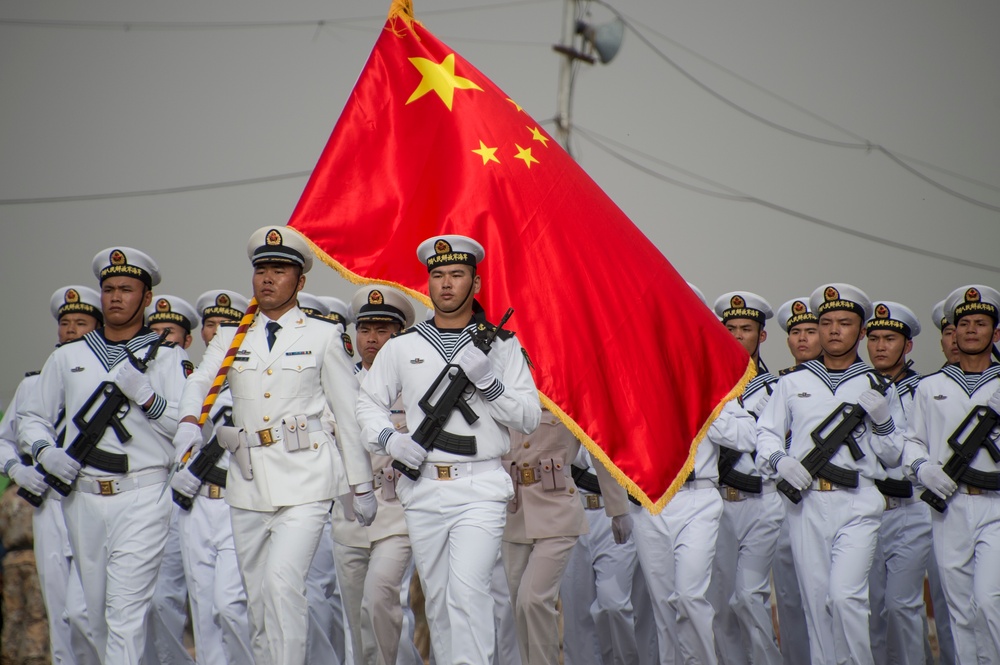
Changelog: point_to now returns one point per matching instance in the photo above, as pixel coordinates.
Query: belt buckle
(733, 494)
(825, 485)
(266, 437)
(973, 491)
(593, 501)
(107, 487)
(443, 471)
(527, 476)
(214, 491)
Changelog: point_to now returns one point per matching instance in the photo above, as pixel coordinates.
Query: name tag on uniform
(298, 353)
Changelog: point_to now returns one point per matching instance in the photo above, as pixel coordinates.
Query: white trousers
(275, 551)
(794, 640)
(598, 617)
(455, 530)
(896, 586)
(755, 523)
(54, 560)
(117, 544)
(967, 547)
(218, 601)
(326, 641)
(168, 609)
(676, 550)
(833, 537)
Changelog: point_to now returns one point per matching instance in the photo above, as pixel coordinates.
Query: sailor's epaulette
(789, 370)
(35, 373)
(502, 334)
(407, 331)
(229, 324)
(320, 317)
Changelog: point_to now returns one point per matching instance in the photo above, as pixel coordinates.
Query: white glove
(758, 408)
(185, 482)
(791, 469)
(59, 464)
(365, 506)
(27, 477)
(477, 367)
(188, 437)
(933, 477)
(994, 401)
(403, 448)
(134, 383)
(621, 528)
(875, 405)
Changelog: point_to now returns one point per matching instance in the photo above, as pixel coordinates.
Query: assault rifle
(431, 432)
(817, 461)
(984, 422)
(203, 467)
(112, 410)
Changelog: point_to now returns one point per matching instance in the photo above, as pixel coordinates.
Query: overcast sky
(115, 96)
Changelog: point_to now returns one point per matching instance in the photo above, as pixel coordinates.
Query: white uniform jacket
(803, 398)
(410, 362)
(762, 384)
(307, 370)
(734, 428)
(10, 447)
(940, 404)
(75, 370)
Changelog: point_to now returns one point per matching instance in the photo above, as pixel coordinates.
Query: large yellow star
(516, 105)
(525, 155)
(486, 153)
(439, 77)
(538, 136)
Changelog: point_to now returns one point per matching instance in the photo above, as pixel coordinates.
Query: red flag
(624, 352)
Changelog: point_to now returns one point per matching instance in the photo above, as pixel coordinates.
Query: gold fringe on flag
(652, 506)
(403, 10)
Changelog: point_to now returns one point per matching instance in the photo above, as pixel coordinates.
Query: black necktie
(272, 333)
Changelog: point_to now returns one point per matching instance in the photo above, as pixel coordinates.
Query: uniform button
(527, 444)
(267, 419)
(526, 465)
(315, 446)
(267, 395)
(571, 490)
(270, 372)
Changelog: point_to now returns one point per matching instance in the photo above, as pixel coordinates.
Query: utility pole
(564, 95)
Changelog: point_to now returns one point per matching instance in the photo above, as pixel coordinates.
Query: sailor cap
(279, 244)
(450, 250)
(972, 299)
(742, 305)
(76, 299)
(840, 298)
(171, 309)
(381, 303)
(220, 302)
(125, 262)
(892, 316)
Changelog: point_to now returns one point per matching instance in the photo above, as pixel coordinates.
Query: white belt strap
(118, 484)
(457, 470)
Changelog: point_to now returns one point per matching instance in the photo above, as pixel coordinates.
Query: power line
(155, 192)
(860, 144)
(731, 194)
(230, 25)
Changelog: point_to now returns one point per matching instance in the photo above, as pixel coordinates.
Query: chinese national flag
(623, 351)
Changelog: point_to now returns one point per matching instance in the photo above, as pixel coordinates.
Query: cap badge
(375, 298)
(799, 307)
(273, 237)
(223, 300)
(162, 305)
(972, 295)
(442, 246)
(118, 258)
(881, 312)
(71, 296)
(831, 294)
(737, 302)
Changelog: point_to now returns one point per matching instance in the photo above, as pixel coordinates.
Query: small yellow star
(439, 77)
(486, 153)
(525, 155)
(516, 105)
(538, 136)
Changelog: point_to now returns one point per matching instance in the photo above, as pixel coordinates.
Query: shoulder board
(35, 373)
(789, 370)
(404, 332)
(320, 317)
(503, 334)
(229, 324)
